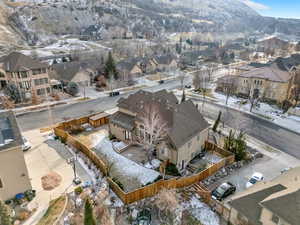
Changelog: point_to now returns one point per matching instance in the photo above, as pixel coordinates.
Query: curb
(62, 212)
(249, 114)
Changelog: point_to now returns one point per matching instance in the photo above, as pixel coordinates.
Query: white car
(26, 144)
(256, 177)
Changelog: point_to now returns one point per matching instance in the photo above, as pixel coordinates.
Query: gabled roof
(66, 71)
(249, 205)
(272, 73)
(164, 59)
(10, 135)
(286, 207)
(183, 120)
(16, 61)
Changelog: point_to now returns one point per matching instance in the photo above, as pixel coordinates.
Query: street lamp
(72, 161)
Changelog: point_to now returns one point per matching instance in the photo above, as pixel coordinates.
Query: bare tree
(181, 77)
(210, 70)
(167, 202)
(229, 87)
(154, 128)
(253, 98)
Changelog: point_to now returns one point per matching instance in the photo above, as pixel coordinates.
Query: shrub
(78, 190)
(172, 170)
(88, 213)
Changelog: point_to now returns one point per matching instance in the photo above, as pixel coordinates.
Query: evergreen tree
(215, 127)
(13, 92)
(5, 218)
(88, 213)
(236, 145)
(110, 67)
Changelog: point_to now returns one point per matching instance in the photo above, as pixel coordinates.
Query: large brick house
(14, 177)
(30, 76)
(187, 129)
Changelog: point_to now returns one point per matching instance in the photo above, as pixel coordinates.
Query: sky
(276, 8)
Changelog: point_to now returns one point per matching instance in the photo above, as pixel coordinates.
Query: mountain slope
(114, 18)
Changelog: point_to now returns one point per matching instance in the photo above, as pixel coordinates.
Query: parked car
(26, 145)
(188, 86)
(114, 93)
(285, 170)
(161, 81)
(254, 179)
(223, 191)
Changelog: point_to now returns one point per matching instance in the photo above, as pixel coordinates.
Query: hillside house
(30, 76)
(187, 129)
(14, 177)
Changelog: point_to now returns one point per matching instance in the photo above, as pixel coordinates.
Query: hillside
(43, 20)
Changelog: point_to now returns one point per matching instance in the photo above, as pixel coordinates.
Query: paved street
(261, 129)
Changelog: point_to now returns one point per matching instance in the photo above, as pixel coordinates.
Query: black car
(161, 81)
(188, 86)
(223, 191)
(114, 93)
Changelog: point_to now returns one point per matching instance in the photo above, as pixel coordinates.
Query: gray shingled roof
(67, 70)
(164, 59)
(286, 207)
(124, 120)
(249, 205)
(184, 120)
(272, 73)
(9, 130)
(16, 61)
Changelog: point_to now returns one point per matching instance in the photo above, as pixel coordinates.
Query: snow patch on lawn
(129, 173)
(201, 212)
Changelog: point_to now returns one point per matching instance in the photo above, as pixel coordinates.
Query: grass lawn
(55, 208)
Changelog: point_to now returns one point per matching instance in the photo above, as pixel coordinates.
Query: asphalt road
(261, 129)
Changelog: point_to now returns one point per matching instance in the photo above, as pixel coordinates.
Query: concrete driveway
(41, 159)
(268, 166)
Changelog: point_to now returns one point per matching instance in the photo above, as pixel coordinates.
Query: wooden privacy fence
(83, 148)
(149, 190)
(153, 189)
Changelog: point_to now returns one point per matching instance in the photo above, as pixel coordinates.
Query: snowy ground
(202, 212)
(129, 173)
(66, 45)
(264, 110)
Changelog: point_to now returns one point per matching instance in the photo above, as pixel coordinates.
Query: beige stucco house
(268, 82)
(269, 203)
(186, 130)
(79, 72)
(14, 177)
(29, 75)
(166, 62)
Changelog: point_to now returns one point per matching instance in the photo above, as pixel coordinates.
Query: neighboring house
(227, 84)
(79, 72)
(165, 62)
(267, 81)
(14, 177)
(187, 129)
(269, 203)
(129, 69)
(29, 75)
